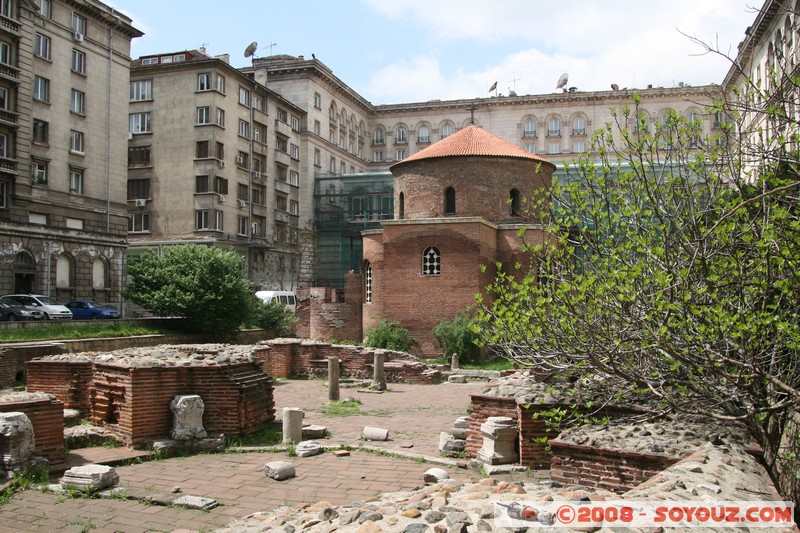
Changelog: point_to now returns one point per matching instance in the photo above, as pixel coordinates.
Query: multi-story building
(215, 158)
(64, 68)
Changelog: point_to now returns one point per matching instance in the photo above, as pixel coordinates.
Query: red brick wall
(614, 470)
(47, 418)
(324, 315)
(14, 358)
(372, 251)
(481, 408)
(482, 185)
(68, 381)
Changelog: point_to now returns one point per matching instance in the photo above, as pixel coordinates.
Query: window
(431, 262)
(295, 122)
(65, 272)
(201, 150)
(401, 136)
(244, 129)
(281, 203)
(377, 137)
(294, 207)
(447, 130)
(554, 128)
(139, 156)
(218, 218)
(138, 189)
(76, 181)
(3, 195)
(76, 103)
(401, 209)
(221, 117)
(201, 219)
(40, 131)
(579, 126)
(40, 173)
(367, 282)
(4, 101)
(45, 8)
(141, 90)
(5, 8)
(242, 224)
(578, 147)
(242, 192)
(317, 127)
(221, 84)
(41, 89)
(281, 233)
(76, 142)
(257, 195)
(139, 222)
(282, 115)
(514, 203)
(204, 81)
(78, 24)
(317, 101)
(243, 160)
(41, 46)
(79, 62)
(377, 156)
(294, 178)
(554, 148)
(529, 129)
(399, 154)
(317, 157)
(5, 54)
(150, 61)
(257, 103)
(220, 185)
(332, 164)
(281, 144)
(203, 115)
(244, 96)
(294, 152)
(449, 201)
(220, 151)
(139, 123)
(4, 147)
(530, 147)
(201, 184)
(424, 134)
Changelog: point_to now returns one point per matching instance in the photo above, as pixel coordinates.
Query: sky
(402, 51)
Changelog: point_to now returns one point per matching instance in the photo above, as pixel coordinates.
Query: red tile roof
(472, 141)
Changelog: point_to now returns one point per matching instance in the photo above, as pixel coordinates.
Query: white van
(287, 298)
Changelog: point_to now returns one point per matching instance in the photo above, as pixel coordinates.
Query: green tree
(274, 316)
(457, 336)
(203, 284)
(675, 271)
(389, 335)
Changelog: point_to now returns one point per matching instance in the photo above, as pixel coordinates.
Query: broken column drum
(292, 425)
(16, 439)
(187, 417)
(499, 440)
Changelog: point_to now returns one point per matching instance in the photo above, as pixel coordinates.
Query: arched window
(447, 129)
(529, 129)
(367, 282)
(579, 126)
(401, 135)
(423, 134)
(514, 203)
(99, 274)
(449, 201)
(64, 272)
(431, 262)
(554, 127)
(377, 137)
(401, 206)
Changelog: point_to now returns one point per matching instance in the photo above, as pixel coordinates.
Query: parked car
(86, 310)
(50, 309)
(12, 311)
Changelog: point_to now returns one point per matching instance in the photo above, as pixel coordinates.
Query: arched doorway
(24, 273)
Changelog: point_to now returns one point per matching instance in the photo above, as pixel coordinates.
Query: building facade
(64, 68)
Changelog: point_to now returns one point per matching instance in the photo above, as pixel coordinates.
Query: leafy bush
(274, 316)
(388, 334)
(455, 336)
(203, 284)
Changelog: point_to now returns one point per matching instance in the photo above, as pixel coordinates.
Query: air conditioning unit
(239, 160)
(140, 202)
(130, 135)
(78, 36)
(221, 163)
(241, 203)
(222, 198)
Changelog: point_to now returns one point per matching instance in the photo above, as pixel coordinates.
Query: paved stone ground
(414, 414)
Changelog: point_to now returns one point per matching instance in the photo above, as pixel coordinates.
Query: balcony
(9, 118)
(8, 165)
(579, 132)
(8, 72)
(529, 134)
(554, 133)
(10, 25)
(283, 128)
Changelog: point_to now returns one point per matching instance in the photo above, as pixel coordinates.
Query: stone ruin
(129, 391)
(17, 445)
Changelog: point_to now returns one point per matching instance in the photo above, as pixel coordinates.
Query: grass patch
(79, 331)
(266, 437)
(23, 481)
(340, 408)
(498, 363)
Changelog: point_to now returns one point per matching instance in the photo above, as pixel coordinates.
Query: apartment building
(214, 158)
(63, 72)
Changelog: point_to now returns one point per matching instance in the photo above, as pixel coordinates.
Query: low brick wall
(481, 408)
(13, 359)
(69, 381)
(615, 470)
(47, 417)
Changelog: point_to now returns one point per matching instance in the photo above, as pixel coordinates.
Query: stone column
(16, 439)
(187, 417)
(333, 379)
(499, 436)
(292, 425)
(378, 375)
(454, 362)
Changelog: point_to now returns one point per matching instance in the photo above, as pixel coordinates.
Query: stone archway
(24, 269)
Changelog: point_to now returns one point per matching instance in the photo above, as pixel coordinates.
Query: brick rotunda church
(457, 206)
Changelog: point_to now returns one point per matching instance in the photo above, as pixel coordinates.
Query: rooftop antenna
(250, 51)
(562, 81)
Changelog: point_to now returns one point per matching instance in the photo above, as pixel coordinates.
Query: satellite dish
(251, 49)
(562, 81)
(614, 87)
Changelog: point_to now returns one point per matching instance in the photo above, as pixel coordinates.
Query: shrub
(455, 336)
(274, 316)
(388, 334)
